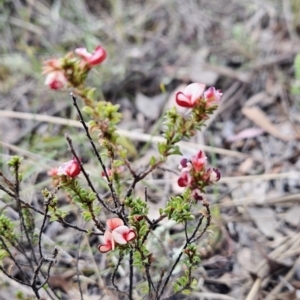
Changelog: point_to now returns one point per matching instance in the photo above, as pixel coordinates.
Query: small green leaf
(175, 150)
(297, 66)
(90, 93)
(86, 215)
(186, 292)
(88, 110)
(53, 218)
(162, 148)
(152, 161)
(3, 253)
(118, 163)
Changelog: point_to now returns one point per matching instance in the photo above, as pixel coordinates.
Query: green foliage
(87, 216)
(179, 209)
(15, 161)
(295, 88)
(14, 164)
(54, 211)
(297, 66)
(162, 148)
(28, 220)
(191, 261)
(88, 110)
(3, 253)
(21, 296)
(141, 257)
(152, 161)
(138, 207)
(7, 229)
(84, 197)
(118, 163)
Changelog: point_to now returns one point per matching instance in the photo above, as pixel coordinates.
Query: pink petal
(131, 235)
(215, 175)
(198, 161)
(194, 91)
(62, 170)
(53, 172)
(108, 240)
(104, 248)
(83, 53)
(183, 100)
(120, 234)
(107, 237)
(114, 223)
(73, 168)
(98, 56)
(212, 95)
(56, 80)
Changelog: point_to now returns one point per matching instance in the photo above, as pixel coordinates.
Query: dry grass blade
(143, 137)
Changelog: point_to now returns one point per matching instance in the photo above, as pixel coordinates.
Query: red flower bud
(56, 80)
(198, 161)
(212, 95)
(184, 179)
(70, 168)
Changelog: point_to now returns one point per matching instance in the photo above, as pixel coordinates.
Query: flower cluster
(57, 71)
(195, 93)
(116, 233)
(195, 174)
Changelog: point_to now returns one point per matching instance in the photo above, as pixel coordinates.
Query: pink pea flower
(212, 95)
(185, 165)
(92, 59)
(198, 161)
(190, 95)
(184, 179)
(123, 234)
(116, 233)
(56, 80)
(109, 243)
(114, 223)
(213, 175)
(70, 168)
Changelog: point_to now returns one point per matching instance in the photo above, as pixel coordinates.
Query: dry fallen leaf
(256, 115)
(265, 220)
(245, 134)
